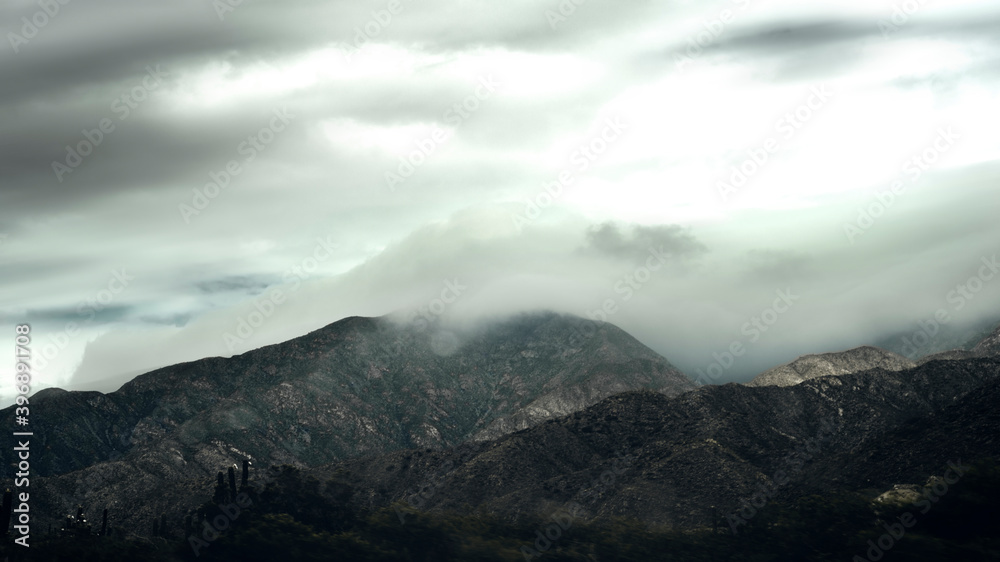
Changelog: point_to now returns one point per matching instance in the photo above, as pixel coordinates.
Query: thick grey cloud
(79, 313)
(797, 37)
(671, 240)
(796, 49)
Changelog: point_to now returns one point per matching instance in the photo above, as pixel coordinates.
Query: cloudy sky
(793, 178)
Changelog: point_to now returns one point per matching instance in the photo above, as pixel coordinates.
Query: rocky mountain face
(361, 386)
(677, 460)
(668, 457)
(965, 430)
(580, 375)
(825, 364)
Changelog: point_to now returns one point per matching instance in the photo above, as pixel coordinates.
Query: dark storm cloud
(798, 38)
(797, 35)
(115, 39)
(806, 49)
(92, 312)
(139, 151)
(111, 41)
(149, 147)
(55, 92)
(240, 283)
(787, 42)
(671, 240)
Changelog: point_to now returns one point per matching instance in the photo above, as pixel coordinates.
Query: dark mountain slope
(711, 447)
(965, 430)
(660, 459)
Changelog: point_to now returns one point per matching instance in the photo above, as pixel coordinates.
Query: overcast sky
(828, 168)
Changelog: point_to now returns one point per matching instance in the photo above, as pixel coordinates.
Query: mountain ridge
(713, 446)
(814, 365)
(357, 386)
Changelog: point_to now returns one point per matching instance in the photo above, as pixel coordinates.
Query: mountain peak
(854, 360)
(358, 386)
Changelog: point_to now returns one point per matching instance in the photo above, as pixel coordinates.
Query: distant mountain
(950, 355)
(825, 364)
(990, 345)
(984, 344)
(933, 338)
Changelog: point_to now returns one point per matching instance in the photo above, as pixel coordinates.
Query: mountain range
(515, 417)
